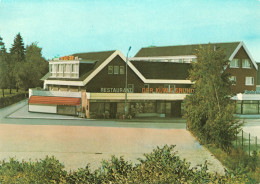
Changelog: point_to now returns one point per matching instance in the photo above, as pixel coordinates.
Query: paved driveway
(77, 145)
(252, 126)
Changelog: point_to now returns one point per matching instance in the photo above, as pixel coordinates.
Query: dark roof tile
(181, 50)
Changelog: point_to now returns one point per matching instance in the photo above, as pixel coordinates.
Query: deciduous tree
(33, 69)
(4, 67)
(209, 111)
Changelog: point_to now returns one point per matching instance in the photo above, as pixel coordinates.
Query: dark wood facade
(242, 73)
(105, 80)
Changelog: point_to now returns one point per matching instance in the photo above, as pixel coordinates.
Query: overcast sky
(63, 27)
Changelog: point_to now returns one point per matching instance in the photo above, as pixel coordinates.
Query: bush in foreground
(160, 166)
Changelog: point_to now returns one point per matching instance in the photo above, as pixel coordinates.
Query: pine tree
(17, 50)
(4, 68)
(17, 54)
(209, 111)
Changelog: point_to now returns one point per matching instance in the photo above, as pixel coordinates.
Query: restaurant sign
(252, 92)
(168, 90)
(116, 90)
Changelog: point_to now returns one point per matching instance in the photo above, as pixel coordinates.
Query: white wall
(43, 108)
(36, 92)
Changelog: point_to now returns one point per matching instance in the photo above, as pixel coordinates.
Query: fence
(247, 142)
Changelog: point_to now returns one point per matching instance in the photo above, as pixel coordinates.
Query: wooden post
(249, 144)
(236, 139)
(242, 140)
(256, 144)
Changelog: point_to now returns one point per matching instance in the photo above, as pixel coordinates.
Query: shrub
(160, 166)
(48, 170)
(9, 100)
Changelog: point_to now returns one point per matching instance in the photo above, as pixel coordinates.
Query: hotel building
(157, 82)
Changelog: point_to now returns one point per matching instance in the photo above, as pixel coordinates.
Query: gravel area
(75, 146)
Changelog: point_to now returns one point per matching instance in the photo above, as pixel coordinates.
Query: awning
(51, 100)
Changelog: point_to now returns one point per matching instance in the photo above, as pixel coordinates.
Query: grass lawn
(238, 161)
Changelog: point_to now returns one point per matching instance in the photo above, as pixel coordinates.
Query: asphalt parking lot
(77, 142)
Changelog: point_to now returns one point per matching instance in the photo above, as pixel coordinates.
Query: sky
(64, 27)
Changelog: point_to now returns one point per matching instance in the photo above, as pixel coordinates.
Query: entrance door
(113, 109)
(176, 109)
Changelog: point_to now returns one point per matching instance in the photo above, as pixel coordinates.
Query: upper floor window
(122, 70)
(249, 81)
(233, 79)
(169, 87)
(116, 70)
(146, 86)
(246, 63)
(110, 69)
(234, 63)
(74, 67)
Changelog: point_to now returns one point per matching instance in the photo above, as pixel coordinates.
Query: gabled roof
(86, 68)
(258, 75)
(183, 50)
(230, 48)
(99, 56)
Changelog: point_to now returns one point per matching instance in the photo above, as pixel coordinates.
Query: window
(249, 81)
(186, 60)
(169, 87)
(233, 79)
(74, 70)
(122, 70)
(246, 63)
(234, 63)
(61, 69)
(146, 86)
(116, 70)
(110, 69)
(130, 88)
(193, 60)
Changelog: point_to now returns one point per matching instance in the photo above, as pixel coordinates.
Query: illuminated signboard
(67, 58)
(168, 90)
(150, 90)
(252, 92)
(115, 90)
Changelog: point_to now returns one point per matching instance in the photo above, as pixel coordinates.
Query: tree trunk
(10, 90)
(3, 91)
(17, 89)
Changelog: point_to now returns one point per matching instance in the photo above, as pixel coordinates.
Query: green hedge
(160, 166)
(9, 100)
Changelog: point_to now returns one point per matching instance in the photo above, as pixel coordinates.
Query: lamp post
(126, 88)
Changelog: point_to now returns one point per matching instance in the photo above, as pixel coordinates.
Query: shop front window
(238, 107)
(250, 107)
